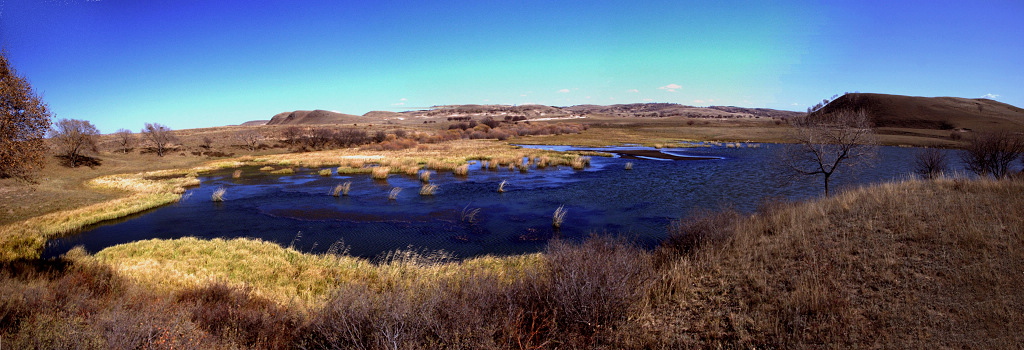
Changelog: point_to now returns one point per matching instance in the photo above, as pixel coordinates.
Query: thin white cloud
(990, 96)
(402, 99)
(794, 104)
(523, 95)
(700, 102)
(398, 104)
(671, 87)
(563, 91)
(633, 90)
(648, 99)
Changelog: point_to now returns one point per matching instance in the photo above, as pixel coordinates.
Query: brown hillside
(939, 113)
(316, 117)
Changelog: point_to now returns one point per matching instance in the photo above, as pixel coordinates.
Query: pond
(297, 210)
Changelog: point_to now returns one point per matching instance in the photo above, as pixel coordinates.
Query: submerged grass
(342, 189)
(428, 190)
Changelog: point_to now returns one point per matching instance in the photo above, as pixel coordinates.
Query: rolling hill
(936, 113)
(318, 116)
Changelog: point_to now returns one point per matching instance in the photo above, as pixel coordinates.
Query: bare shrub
(829, 142)
(704, 227)
(250, 138)
(74, 139)
(591, 294)
(125, 139)
(24, 120)
(991, 153)
(160, 136)
(930, 163)
(235, 314)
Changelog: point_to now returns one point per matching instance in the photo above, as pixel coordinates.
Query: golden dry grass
(284, 274)
(904, 265)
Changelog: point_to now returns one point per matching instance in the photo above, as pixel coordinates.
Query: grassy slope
(914, 264)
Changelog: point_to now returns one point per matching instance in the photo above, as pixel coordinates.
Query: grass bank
(916, 264)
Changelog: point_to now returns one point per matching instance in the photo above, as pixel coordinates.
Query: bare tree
(73, 139)
(24, 120)
(991, 153)
(826, 143)
(125, 139)
(930, 163)
(160, 136)
(250, 138)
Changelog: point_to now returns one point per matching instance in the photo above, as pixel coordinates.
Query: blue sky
(187, 64)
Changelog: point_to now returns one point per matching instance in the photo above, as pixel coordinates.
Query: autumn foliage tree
(24, 120)
(73, 139)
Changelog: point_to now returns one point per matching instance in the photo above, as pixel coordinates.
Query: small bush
(325, 172)
(930, 163)
(235, 314)
(701, 228)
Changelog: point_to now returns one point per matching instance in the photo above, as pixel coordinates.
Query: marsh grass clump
(501, 186)
(469, 215)
(236, 174)
(428, 190)
(380, 173)
(285, 171)
(342, 189)
(559, 216)
(393, 195)
(267, 168)
(578, 163)
(325, 172)
(218, 194)
(462, 170)
(425, 176)
(629, 165)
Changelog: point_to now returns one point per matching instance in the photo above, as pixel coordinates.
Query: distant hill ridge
(941, 113)
(318, 116)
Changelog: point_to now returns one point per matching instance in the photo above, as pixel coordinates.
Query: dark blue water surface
(298, 209)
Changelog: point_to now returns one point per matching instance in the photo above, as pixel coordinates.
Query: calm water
(298, 210)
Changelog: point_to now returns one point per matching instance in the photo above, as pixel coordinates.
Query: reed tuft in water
(218, 194)
(394, 193)
(325, 172)
(236, 174)
(559, 216)
(469, 215)
(425, 176)
(629, 165)
(461, 170)
(428, 190)
(342, 189)
(501, 186)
